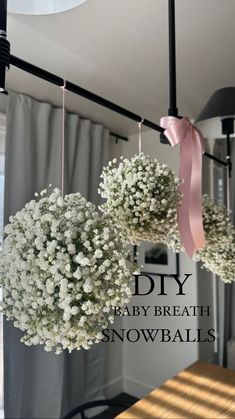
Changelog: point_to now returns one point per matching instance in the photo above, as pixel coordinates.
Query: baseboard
(135, 387)
(127, 385)
(114, 387)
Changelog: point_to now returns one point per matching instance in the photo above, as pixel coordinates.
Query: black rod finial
(4, 59)
(4, 45)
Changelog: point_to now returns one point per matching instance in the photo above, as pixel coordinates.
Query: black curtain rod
(216, 159)
(6, 59)
(59, 81)
(71, 87)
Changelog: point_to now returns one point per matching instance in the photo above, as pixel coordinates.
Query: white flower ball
(141, 199)
(62, 269)
(218, 255)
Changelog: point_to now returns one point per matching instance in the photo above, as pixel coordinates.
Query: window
(2, 166)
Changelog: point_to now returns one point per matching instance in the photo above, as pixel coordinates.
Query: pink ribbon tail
(189, 213)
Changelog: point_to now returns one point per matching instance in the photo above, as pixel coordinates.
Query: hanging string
(63, 138)
(140, 138)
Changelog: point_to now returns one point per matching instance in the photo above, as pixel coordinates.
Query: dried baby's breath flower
(218, 255)
(62, 269)
(141, 199)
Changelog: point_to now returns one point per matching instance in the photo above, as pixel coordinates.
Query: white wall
(147, 365)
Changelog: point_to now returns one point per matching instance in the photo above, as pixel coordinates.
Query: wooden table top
(200, 391)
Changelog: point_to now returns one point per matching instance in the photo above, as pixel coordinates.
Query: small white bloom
(98, 254)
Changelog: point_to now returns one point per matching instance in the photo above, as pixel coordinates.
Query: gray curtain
(205, 278)
(40, 384)
(225, 292)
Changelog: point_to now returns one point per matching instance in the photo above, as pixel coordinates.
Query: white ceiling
(118, 49)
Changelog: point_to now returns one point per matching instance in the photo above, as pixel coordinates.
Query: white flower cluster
(141, 199)
(62, 268)
(218, 255)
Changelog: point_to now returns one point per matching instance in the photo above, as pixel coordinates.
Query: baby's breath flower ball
(218, 255)
(62, 270)
(141, 199)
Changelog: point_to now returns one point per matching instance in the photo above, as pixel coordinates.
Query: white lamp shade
(41, 7)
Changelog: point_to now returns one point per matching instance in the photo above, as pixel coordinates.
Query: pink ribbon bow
(189, 213)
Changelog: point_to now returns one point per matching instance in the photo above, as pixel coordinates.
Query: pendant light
(39, 7)
(221, 106)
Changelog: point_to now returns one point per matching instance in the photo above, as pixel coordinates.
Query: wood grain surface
(200, 391)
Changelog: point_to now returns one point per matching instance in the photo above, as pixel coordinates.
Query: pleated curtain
(38, 384)
(225, 292)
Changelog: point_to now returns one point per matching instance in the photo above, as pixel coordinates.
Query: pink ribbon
(189, 214)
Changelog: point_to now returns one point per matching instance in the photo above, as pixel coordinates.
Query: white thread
(140, 139)
(63, 138)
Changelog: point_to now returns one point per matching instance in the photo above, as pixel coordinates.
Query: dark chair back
(90, 405)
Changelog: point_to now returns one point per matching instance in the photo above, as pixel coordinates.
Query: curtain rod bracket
(118, 137)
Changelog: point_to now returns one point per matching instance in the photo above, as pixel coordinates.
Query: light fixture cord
(228, 173)
(63, 138)
(228, 194)
(140, 137)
